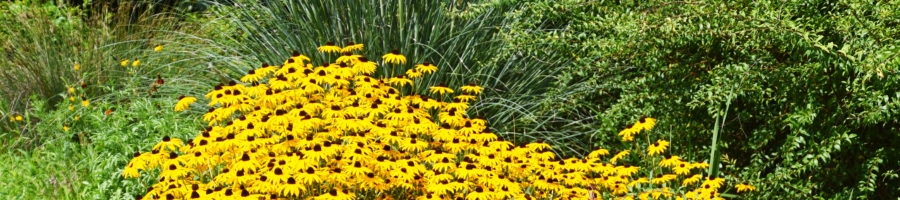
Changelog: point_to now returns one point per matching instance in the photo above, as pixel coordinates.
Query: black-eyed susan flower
(400, 80)
(745, 187)
(352, 47)
(645, 123)
(441, 89)
(291, 188)
(364, 66)
(85, 102)
(628, 133)
(658, 147)
(168, 143)
(619, 156)
(329, 47)
(394, 57)
(472, 88)
(413, 73)
(426, 68)
(691, 180)
(682, 168)
(670, 161)
(714, 182)
(348, 58)
(184, 103)
(253, 76)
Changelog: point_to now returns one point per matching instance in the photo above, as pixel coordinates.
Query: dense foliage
(804, 91)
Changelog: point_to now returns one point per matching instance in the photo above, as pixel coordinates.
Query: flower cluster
(332, 131)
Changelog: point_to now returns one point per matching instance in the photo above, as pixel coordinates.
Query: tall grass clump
(48, 48)
(461, 44)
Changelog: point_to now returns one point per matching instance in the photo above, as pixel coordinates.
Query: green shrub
(805, 92)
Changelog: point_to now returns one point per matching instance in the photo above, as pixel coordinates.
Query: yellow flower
(597, 153)
(19, 118)
(426, 67)
(670, 161)
(329, 48)
(125, 62)
(645, 123)
(714, 182)
(184, 103)
(413, 73)
(158, 48)
(351, 47)
(136, 63)
(168, 144)
(394, 57)
(348, 58)
(440, 89)
(400, 80)
(71, 107)
(691, 180)
(472, 88)
(657, 148)
(682, 169)
(745, 187)
(85, 103)
(77, 66)
(619, 155)
(72, 90)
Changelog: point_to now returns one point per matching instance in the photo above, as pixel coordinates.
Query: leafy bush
(804, 92)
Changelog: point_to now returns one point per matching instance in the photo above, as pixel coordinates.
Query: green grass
(461, 43)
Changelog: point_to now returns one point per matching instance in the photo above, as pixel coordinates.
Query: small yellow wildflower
(66, 128)
(19, 118)
(85, 103)
(394, 57)
(77, 67)
(71, 90)
(125, 62)
(136, 63)
(158, 48)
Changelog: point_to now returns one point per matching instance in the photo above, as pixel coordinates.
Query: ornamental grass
(331, 130)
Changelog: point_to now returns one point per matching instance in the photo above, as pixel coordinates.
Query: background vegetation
(804, 92)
